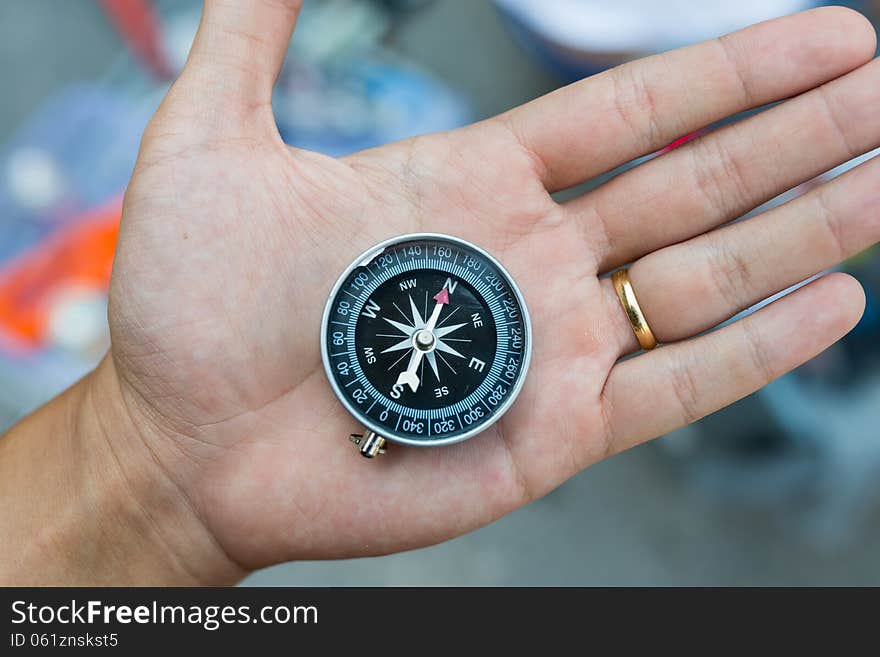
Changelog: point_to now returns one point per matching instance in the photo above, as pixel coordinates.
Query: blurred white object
(33, 178)
(581, 37)
(628, 25)
(78, 321)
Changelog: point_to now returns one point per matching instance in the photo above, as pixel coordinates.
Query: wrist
(87, 502)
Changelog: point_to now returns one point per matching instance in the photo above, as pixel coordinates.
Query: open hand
(232, 240)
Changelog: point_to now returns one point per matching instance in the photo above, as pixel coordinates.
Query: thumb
(239, 49)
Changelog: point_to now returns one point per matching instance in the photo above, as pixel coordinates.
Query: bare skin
(208, 442)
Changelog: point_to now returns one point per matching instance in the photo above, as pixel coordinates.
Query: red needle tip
(442, 296)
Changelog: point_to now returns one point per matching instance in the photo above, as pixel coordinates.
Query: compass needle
(409, 376)
(378, 368)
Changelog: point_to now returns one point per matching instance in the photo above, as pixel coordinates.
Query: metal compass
(426, 341)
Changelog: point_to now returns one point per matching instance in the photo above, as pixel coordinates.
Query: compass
(426, 341)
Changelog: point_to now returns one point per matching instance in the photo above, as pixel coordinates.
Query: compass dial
(426, 339)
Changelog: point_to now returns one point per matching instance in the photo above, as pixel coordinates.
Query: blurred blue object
(339, 92)
(75, 152)
(363, 102)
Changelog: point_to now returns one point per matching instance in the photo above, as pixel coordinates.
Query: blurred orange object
(78, 255)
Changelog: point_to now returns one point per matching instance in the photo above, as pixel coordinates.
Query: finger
(675, 385)
(240, 47)
(693, 286)
(599, 123)
(721, 176)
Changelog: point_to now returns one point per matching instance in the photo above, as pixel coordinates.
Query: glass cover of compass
(426, 339)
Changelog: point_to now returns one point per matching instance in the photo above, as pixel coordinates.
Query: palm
(234, 362)
(231, 242)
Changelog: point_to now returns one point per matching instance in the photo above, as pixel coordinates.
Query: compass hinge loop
(370, 443)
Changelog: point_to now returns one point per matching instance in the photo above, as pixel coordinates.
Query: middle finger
(721, 176)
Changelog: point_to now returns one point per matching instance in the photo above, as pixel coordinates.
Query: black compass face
(426, 340)
(464, 326)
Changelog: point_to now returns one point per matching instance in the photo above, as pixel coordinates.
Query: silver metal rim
(366, 257)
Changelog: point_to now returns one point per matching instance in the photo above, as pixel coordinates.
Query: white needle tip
(409, 378)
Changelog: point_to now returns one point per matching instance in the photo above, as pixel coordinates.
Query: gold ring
(633, 311)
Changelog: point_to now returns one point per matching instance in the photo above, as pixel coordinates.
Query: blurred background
(782, 488)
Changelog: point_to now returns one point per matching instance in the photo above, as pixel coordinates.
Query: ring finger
(690, 287)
